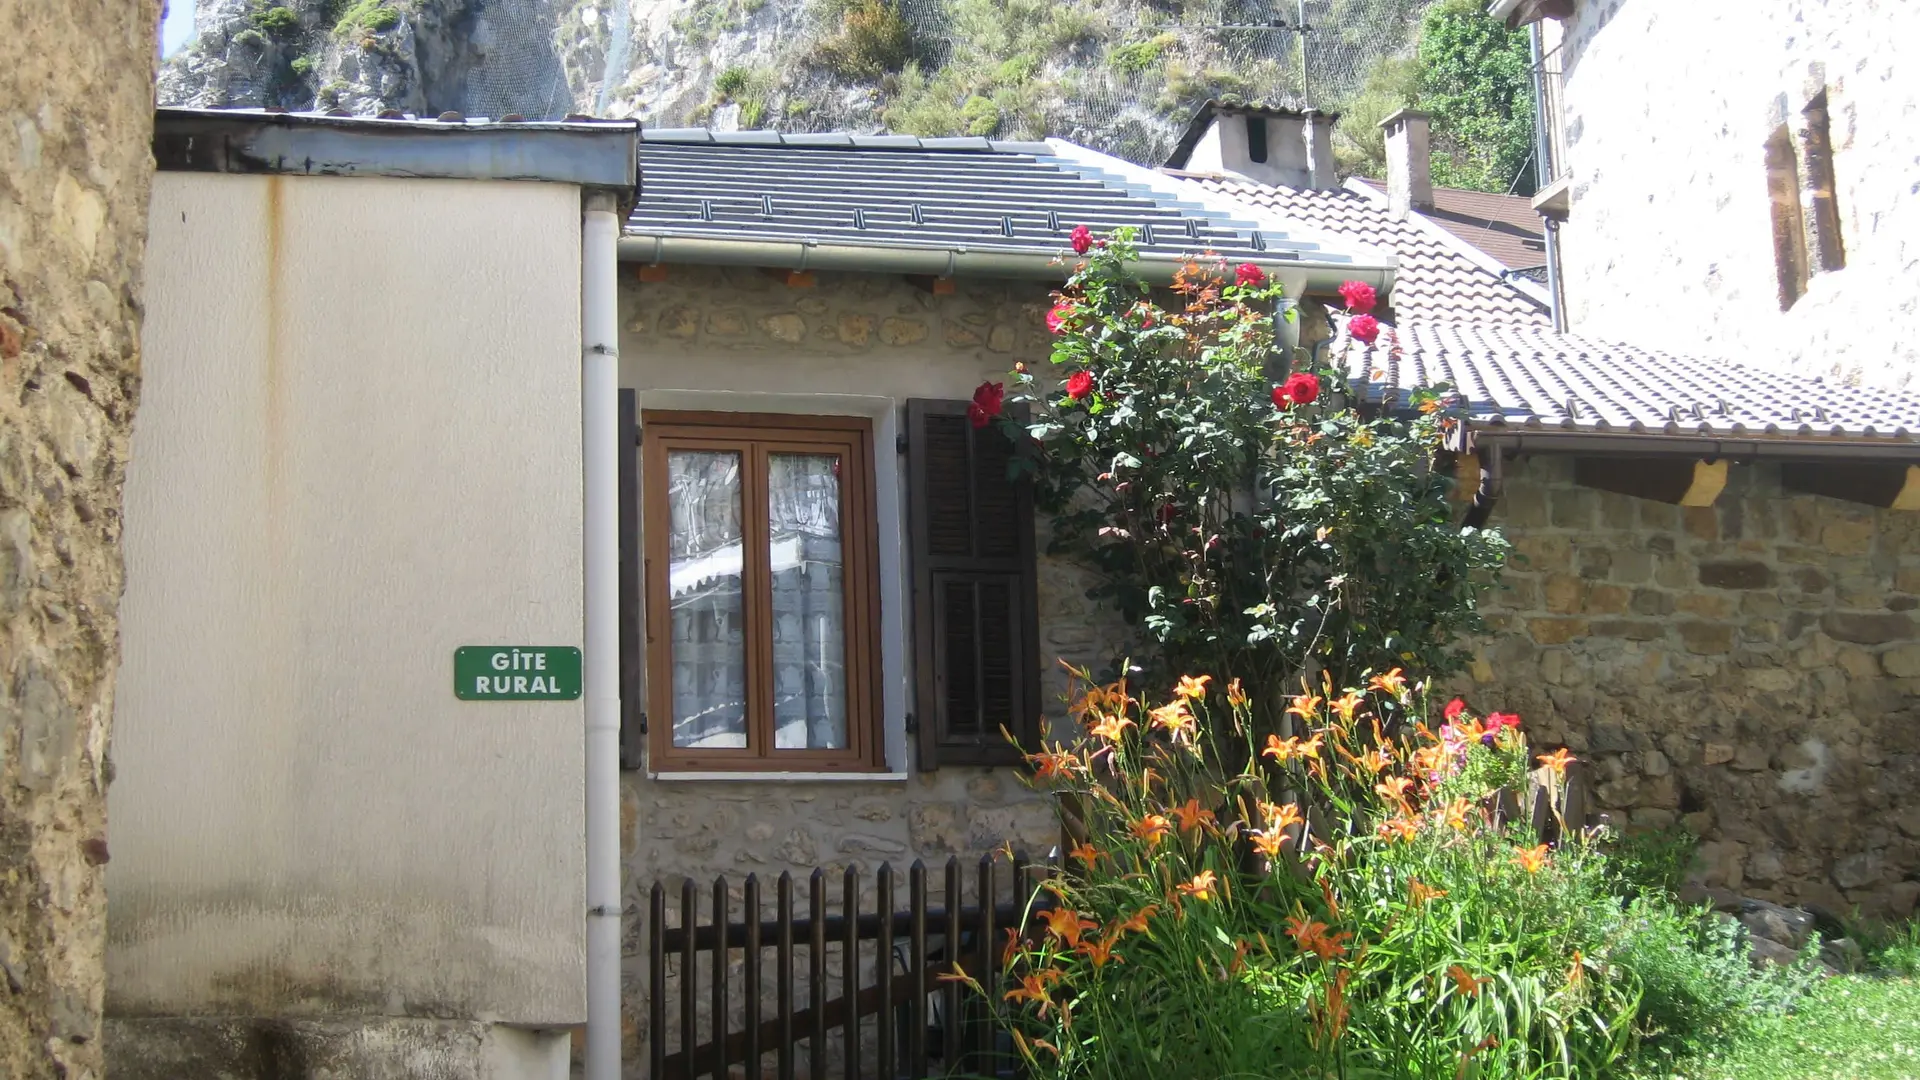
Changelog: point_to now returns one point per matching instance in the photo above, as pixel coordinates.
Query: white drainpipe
(600, 454)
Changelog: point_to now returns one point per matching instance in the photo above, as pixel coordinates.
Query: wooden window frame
(756, 435)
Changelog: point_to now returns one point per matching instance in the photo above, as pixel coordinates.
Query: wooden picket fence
(824, 988)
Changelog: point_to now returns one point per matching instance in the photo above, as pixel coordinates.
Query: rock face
(1119, 75)
(75, 98)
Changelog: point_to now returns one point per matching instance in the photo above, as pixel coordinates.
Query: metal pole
(1306, 91)
(1543, 174)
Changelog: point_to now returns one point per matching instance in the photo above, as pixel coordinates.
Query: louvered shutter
(976, 616)
(632, 735)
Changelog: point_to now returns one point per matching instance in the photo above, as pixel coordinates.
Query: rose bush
(1240, 506)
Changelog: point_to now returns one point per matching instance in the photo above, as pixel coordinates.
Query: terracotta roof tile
(1506, 227)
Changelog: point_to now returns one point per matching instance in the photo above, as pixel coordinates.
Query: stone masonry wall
(1668, 110)
(1749, 671)
(76, 95)
(740, 329)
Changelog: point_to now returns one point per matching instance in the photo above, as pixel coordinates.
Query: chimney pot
(1319, 135)
(1409, 162)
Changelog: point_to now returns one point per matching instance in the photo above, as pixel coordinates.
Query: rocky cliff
(1121, 75)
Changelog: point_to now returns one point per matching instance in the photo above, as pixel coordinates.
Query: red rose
(1057, 318)
(1249, 274)
(1498, 720)
(1079, 384)
(1300, 388)
(1082, 239)
(1456, 706)
(988, 398)
(1280, 397)
(1364, 328)
(1359, 297)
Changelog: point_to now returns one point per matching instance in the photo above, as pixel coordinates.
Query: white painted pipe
(600, 454)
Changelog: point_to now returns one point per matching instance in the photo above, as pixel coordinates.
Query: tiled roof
(1527, 378)
(902, 192)
(1506, 227)
(1436, 281)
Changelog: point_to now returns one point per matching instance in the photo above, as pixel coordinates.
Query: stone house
(1716, 567)
(1741, 175)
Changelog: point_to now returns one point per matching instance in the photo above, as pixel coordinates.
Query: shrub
(1241, 529)
(302, 66)
(367, 15)
(1201, 927)
(1137, 56)
(730, 81)
(981, 116)
(278, 23)
(1653, 861)
(873, 39)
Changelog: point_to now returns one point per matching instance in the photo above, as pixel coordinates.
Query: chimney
(1409, 162)
(1285, 147)
(1319, 135)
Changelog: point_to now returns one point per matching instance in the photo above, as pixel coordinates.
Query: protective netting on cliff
(516, 66)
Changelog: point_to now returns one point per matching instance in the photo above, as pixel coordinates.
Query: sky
(177, 28)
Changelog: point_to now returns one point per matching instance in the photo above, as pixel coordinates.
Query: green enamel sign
(516, 673)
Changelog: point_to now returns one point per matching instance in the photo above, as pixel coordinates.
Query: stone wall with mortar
(739, 331)
(1668, 109)
(77, 101)
(1749, 671)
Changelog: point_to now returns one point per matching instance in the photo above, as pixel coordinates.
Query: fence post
(718, 1025)
(917, 962)
(657, 980)
(817, 974)
(689, 976)
(850, 970)
(951, 1027)
(751, 973)
(784, 993)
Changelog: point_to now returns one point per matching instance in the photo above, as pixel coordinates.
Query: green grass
(1856, 1027)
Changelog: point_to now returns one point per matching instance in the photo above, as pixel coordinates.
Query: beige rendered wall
(76, 121)
(360, 449)
(1670, 240)
(853, 343)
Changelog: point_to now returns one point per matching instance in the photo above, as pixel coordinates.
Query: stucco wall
(1748, 671)
(360, 449)
(76, 120)
(720, 338)
(1670, 241)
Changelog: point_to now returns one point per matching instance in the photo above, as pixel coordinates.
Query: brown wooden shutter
(976, 613)
(633, 736)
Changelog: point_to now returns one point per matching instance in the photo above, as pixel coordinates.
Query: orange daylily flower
(1465, 982)
(1066, 924)
(1279, 817)
(1292, 747)
(1050, 764)
(1111, 728)
(1193, 688)
(1532, 859)
(1174, 717)
(1311, 936)
(1577, 971)
(1192, 815)
(1399, 828)
(1236, 695)
(1419, 892)
(1099, 952)
(1305, 706)
(1086, 853)
(1558, 761)
(1136, 923)
(1454, 814)
(1393, 682)
(1346, 704)
(1373, 761)
(1432, 760)
(1270, 843)
(1011, 949)
(1151, 828)
(1201, 887)
(1033, 988)
(1394, 788)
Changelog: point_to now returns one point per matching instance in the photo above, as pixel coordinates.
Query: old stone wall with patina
(741, 331)
(77, 103)
(1748, 671)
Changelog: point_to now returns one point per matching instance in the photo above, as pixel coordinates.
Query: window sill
(783, 777)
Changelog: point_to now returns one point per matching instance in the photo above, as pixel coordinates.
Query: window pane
(704, 583)
(809, 605)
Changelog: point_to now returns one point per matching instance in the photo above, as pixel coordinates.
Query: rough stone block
(856, 330)
(727, 322)
(1902, 661)
(1773, 922)
(1748, 757)
(1630, 629)
(1700, 522)
(1562, 593)
(1736, 575)
(1631, 566)
(1607, 599)
(1571, 508)
(1522, 507)
(1707, 638)
(1556, 631)
(898, 331)
(1539, 552)
(1705, 605)
(1868, 629)
(785, 326)
(1716, 753)
(1848, 536)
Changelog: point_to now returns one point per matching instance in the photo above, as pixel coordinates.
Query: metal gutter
(1815, 448)
(600, 156)
(1299, 274)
